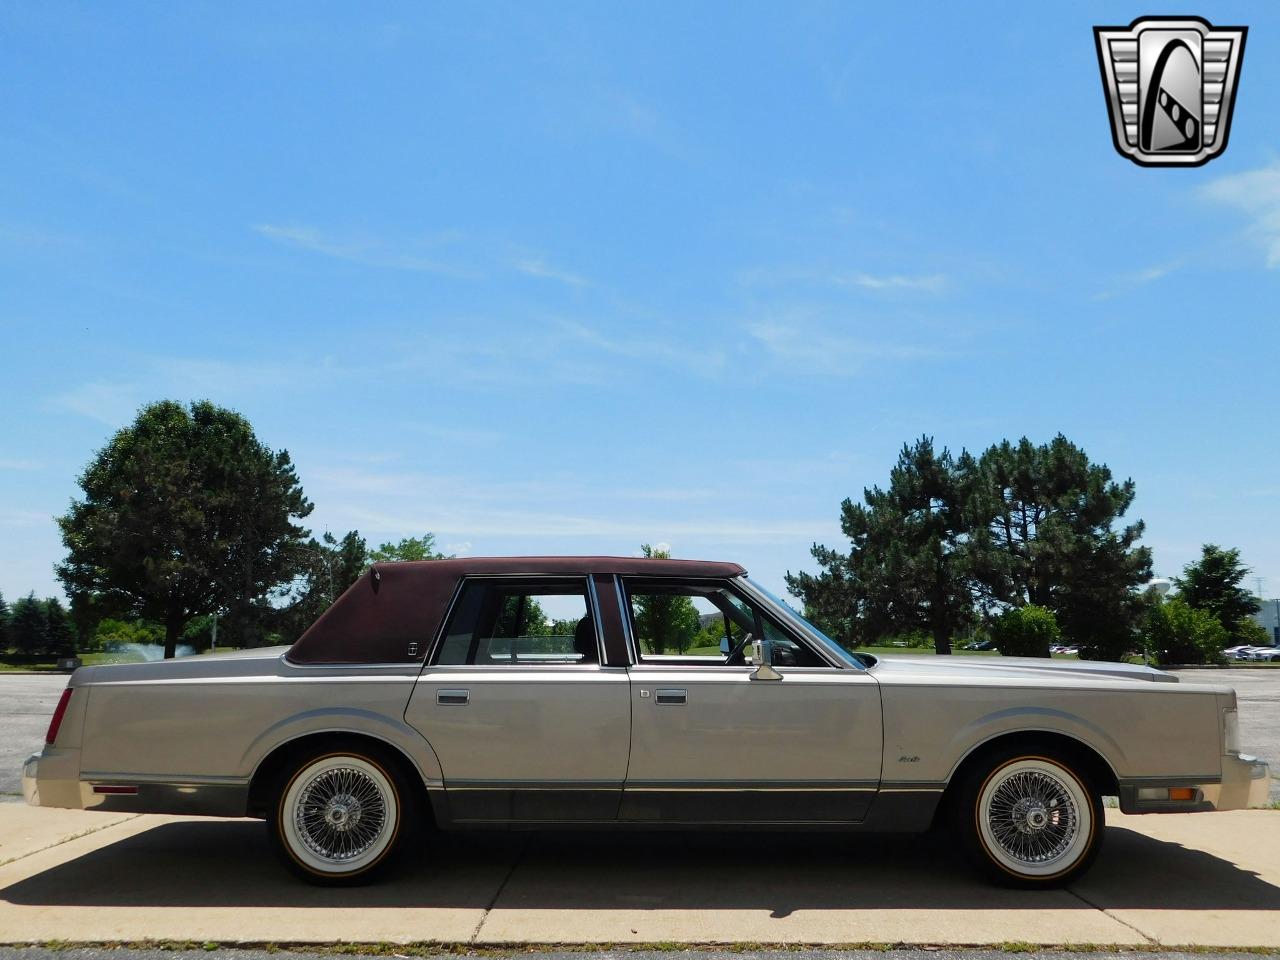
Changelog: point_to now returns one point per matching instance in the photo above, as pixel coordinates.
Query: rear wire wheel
(1029, 820)
(339, 817)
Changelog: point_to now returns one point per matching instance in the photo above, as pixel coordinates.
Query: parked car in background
(552, 692)
(1252, 653)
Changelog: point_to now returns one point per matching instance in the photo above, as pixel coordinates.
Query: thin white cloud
(931, 283)
(1256, 193)
(447, 254)
(368, 251)
(1139, 278)
(23, 518)
(584, 526)
(111, 403)
(461, 509)
(9, 464)
(824, 276)
(825, 352)
(538, 267)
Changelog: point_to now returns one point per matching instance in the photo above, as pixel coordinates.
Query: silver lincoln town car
(538, 692)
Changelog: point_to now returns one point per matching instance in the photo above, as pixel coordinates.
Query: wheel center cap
(341, 813)
(1037, 817)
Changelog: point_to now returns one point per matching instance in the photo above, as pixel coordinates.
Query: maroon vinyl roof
(397, 607)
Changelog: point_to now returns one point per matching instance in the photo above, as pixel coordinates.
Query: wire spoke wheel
(339, 815)
(1035, 818)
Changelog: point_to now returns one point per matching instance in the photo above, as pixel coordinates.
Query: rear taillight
(58, 714)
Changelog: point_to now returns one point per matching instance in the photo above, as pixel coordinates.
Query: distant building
(1269, 616)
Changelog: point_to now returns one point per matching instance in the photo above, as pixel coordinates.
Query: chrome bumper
(52, 779)
(1246, 782)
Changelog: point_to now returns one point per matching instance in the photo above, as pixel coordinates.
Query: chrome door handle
(458, 697)
(672, 696)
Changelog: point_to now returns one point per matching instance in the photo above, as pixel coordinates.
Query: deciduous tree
(1176, 632)
(184, 512)
(409, 548)
(668, 620)
(1027, 631)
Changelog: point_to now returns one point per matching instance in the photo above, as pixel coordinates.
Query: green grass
(41, 663)
(47, 663)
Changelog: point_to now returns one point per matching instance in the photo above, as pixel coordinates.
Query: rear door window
(498, 622)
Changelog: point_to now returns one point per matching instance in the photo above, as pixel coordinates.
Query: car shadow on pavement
(227, 863)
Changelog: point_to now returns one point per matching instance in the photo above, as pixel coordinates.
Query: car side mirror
(762, 659)
(725, 647)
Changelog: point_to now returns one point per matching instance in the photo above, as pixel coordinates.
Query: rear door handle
(455, 697)
(672, 696)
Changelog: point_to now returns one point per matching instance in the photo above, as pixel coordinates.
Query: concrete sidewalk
(1211, 880)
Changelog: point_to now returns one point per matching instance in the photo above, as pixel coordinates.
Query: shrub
(1175, 632)
(1025, 631)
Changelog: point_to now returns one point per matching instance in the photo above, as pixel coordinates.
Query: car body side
(201, 735)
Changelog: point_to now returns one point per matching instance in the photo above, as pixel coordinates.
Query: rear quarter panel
(207, 718)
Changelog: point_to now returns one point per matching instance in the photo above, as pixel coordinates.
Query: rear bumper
(52, 779)
(1246, 782)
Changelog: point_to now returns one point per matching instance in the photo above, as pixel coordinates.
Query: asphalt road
(27, 702)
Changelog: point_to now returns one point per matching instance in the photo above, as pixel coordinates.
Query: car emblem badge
(1170, 84)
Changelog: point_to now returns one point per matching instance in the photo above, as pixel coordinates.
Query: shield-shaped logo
(1170, 84)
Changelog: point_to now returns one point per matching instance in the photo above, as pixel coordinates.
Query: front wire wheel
(338, 818)
(1033, 821)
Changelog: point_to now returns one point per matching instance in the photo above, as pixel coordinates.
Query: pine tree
(60, 637)
(1212, 584)
(30, 628)
(4, 625)
(907, 567)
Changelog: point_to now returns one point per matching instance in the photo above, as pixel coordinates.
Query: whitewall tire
(1031, 820)
(339, 816)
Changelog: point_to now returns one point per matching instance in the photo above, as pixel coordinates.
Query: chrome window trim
(593, 607)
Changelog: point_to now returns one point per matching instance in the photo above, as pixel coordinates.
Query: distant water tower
(1161, 585)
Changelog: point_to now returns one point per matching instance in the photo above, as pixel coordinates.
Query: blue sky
(561, 278)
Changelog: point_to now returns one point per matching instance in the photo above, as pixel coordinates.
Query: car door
(709, 744)
(526, 722)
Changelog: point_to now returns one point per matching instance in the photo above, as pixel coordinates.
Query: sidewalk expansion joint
(1107, 913)
(75, 836)
(498, 893)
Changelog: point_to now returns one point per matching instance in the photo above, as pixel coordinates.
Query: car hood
(1015, 668)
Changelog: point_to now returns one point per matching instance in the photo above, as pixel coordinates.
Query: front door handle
(453, 697)
(672, 696)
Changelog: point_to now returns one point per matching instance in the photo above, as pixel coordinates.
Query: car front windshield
(786, 611)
